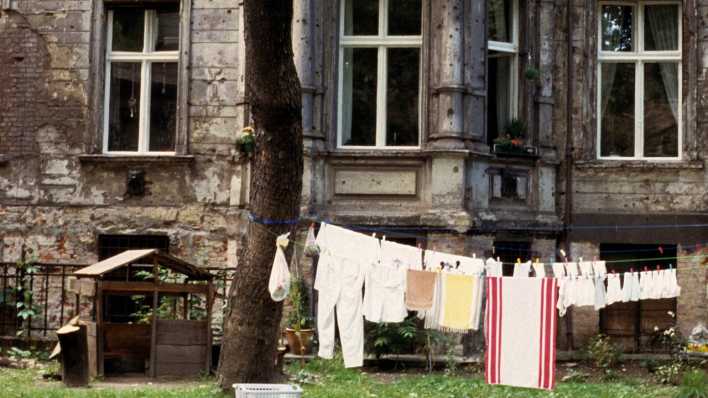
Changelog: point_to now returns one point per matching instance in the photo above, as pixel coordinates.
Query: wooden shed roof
(130, 256)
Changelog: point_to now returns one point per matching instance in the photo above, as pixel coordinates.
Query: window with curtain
(639, 86)
(142, 53)
(502, 65)
(379, 73)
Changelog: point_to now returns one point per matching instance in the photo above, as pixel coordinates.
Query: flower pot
(299, 341)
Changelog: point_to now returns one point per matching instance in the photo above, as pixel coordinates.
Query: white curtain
(663, 26)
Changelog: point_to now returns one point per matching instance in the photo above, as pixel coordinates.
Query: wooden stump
(74, 355)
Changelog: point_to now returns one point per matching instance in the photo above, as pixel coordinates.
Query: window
(141, 80)
(502, 65)
(110, 245)
(379, 73)
(509, 186)
(639, 90)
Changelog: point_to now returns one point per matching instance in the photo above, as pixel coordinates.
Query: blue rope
(267, 221)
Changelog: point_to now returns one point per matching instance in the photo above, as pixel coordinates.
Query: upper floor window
(639, 90)
(502, 66)
(141, 80)
(379, 73)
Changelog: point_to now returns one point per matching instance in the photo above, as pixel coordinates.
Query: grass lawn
(328, 379)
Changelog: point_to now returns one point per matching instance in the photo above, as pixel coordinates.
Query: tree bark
(252, 327)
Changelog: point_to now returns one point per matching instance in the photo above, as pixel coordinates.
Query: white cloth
(614, 290)
(520, 327)
(432, 316)
(384, 293)
(585, 290)
(558, 270)
(494, 267)
(396, 254)
(636, 289)
(571, 269)
(673, 288)
(599, 268)
(344, 259)
(600, 294)
(462, 264)
(645, 285)
(539, 269)
(279, 282)
(522, 270)
(563, 302)
(586, 268)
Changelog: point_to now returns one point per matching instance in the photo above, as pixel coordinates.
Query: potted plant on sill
(512, 140)
(299, 330)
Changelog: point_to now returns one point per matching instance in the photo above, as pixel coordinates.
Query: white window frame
(513, 49)
(145, 58)
(382, 42)
(639, 57)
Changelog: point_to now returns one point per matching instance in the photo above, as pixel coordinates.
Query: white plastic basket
(267, 391)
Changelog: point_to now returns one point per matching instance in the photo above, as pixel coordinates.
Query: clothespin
(474, 255)
(373, 235)
(581, 259)
(661, 250)
(457, 264)
(646, 268)
(658, 267)
(631, 269)
(518, 261)
(384, 237)
(498, 260)
(671, 266)
(537, 260)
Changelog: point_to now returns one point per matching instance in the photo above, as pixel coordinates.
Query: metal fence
(43, 292)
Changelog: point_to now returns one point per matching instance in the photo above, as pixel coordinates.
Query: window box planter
(515, 150)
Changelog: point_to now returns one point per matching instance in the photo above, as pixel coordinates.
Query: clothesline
(400, 232)
(634, 260)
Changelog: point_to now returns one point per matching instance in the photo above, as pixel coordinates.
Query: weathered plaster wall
(54, 200)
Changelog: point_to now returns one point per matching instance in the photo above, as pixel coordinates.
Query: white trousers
(339, 283)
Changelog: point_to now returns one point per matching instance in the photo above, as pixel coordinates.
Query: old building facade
(504, 128)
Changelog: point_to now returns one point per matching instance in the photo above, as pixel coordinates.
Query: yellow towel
(459, 293)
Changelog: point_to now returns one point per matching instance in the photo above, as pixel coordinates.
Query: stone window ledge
(142, 159)
(639, 164)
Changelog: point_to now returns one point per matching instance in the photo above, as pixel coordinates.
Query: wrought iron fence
(43, 291)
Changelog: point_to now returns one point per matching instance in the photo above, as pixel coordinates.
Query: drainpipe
(568, 209)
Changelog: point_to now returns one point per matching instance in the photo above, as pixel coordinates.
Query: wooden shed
(152, 314)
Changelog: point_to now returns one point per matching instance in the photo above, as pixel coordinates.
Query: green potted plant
(511, 142)
(246, 142)
(299, 330)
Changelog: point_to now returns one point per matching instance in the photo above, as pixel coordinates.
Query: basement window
(509, 186)
(142, 61)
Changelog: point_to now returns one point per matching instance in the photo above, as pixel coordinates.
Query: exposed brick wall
(23, 63)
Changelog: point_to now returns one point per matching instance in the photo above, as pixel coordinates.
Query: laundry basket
(267, 391)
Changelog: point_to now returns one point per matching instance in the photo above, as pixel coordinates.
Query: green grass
(16, 383)
(329, 379)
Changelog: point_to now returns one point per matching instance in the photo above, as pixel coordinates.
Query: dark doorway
(634, 325)
(509, 252)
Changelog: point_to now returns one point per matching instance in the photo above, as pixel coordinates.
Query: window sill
(640, 164)
(131, 159)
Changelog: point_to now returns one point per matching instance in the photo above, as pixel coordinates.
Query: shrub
(668, 373)
(694, 385)
(603, 353)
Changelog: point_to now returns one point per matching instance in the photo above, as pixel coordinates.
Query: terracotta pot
(299, 342)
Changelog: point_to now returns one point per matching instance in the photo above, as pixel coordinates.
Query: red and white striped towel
(520, 329)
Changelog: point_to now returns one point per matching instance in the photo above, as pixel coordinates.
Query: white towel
(614, 290)
(396, 254)
(494, 267)
(558, 270)
(522, 270)
(520, 327)
(465, 265)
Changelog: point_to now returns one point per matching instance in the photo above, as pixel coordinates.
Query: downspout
(568, 208)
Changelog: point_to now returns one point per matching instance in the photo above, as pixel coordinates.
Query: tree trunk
(252, 327)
